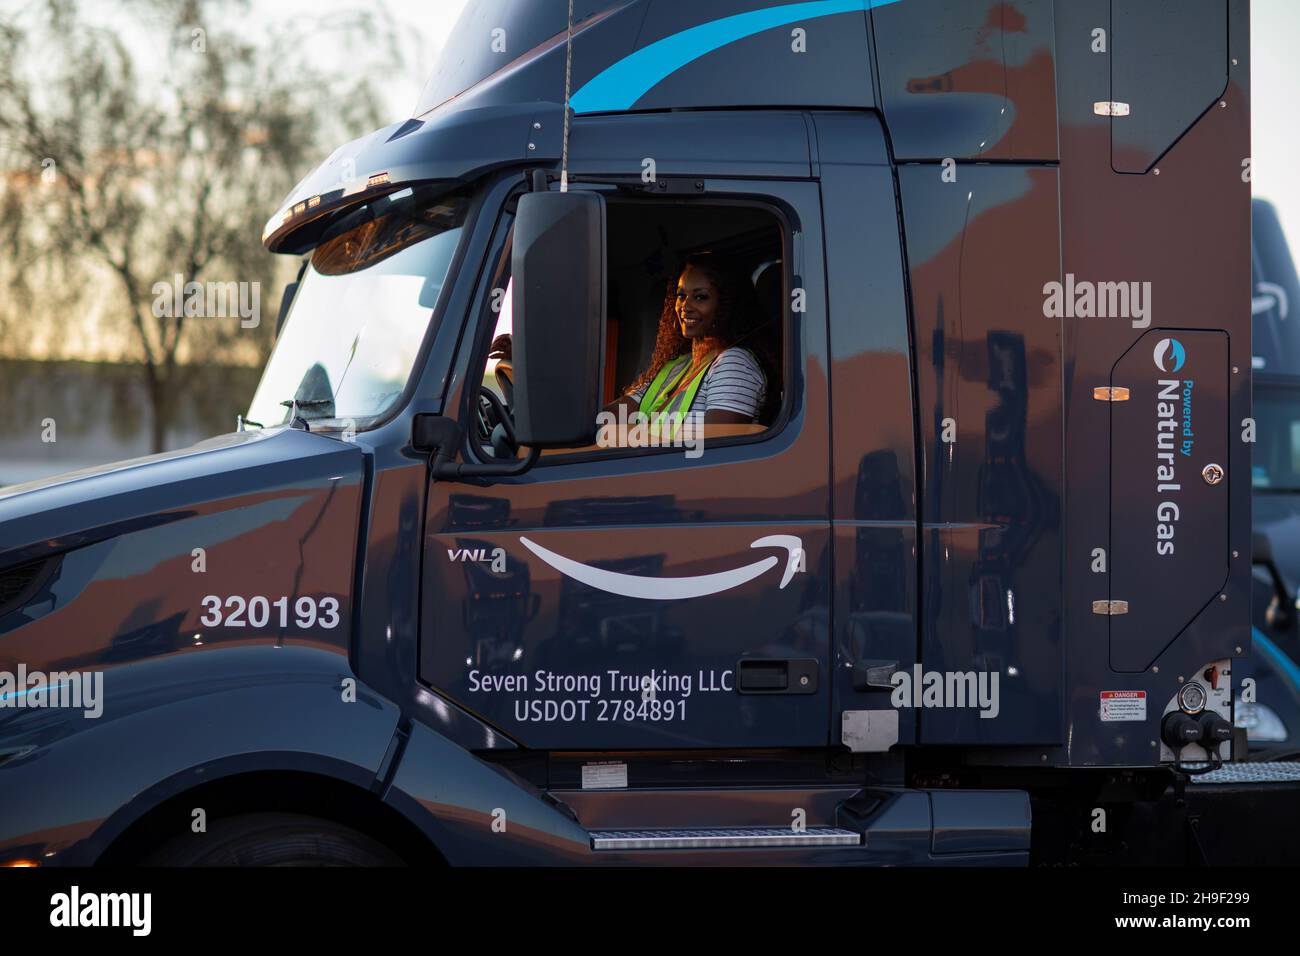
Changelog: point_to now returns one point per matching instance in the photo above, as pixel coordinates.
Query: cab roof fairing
(628, 56)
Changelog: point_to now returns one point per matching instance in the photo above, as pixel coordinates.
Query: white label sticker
(608, 775)
(1123, 705)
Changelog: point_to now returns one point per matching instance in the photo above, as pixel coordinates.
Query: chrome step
(1261, 771)
(719, 838)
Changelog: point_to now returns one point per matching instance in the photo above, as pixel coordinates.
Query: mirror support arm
(440, 437)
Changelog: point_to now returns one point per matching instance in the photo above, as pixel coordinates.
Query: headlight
(1260, 722)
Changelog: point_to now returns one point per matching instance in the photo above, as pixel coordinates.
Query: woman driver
(698, 371)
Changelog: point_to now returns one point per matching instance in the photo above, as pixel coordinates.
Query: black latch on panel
(675, 186)
(874, 675)
(776, 676)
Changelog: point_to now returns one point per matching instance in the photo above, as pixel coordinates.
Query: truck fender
(172, 723)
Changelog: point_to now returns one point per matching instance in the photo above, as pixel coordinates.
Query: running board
(722, 838)
(1262, 771)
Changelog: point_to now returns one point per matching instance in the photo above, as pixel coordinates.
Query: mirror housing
(558, 274)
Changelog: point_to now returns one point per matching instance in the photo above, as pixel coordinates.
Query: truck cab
(976, 565)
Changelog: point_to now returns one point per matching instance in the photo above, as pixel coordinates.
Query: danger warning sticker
(1123, 705)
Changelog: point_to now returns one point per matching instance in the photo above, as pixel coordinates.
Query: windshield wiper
(294, 404)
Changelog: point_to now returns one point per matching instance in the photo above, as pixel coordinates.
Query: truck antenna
(568, 87)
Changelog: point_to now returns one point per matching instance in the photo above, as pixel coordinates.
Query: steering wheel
(505, 376)
(496, 424)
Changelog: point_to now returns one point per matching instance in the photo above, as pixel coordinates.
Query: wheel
(274, 839)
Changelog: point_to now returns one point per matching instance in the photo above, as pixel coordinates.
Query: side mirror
(558, 273)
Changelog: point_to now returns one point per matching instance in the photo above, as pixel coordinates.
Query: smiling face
(697, 303)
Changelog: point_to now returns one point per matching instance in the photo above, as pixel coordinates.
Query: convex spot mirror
(286, 298)
(558, 307)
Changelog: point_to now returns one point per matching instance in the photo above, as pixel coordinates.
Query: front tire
(274, 839)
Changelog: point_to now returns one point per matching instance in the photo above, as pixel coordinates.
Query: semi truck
(1272, 720)
(971, 590)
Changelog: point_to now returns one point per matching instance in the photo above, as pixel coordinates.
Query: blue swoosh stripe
(1280, 659)
(619, 86)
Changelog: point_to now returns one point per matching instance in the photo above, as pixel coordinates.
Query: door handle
(765, 675)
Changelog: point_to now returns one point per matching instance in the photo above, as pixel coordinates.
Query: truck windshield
(362, 309)
(1275, 464)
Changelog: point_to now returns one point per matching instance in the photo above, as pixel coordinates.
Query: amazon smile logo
(1269, 296)
(677, 589)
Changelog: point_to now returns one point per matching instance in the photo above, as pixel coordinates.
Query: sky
(427, 21)
(1275, 110)
(424, 24)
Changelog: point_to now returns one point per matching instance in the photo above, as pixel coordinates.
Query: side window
(695, 340)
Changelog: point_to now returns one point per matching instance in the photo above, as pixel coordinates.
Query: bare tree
(120, 171)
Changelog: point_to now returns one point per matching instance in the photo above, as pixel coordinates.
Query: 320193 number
(261, 611)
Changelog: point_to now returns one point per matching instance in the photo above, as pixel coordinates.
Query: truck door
(629, 597)
(875, 488)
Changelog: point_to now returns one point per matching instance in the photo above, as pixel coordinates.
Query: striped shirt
(733, 383)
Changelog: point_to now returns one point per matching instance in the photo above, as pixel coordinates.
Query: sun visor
(455, 145)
